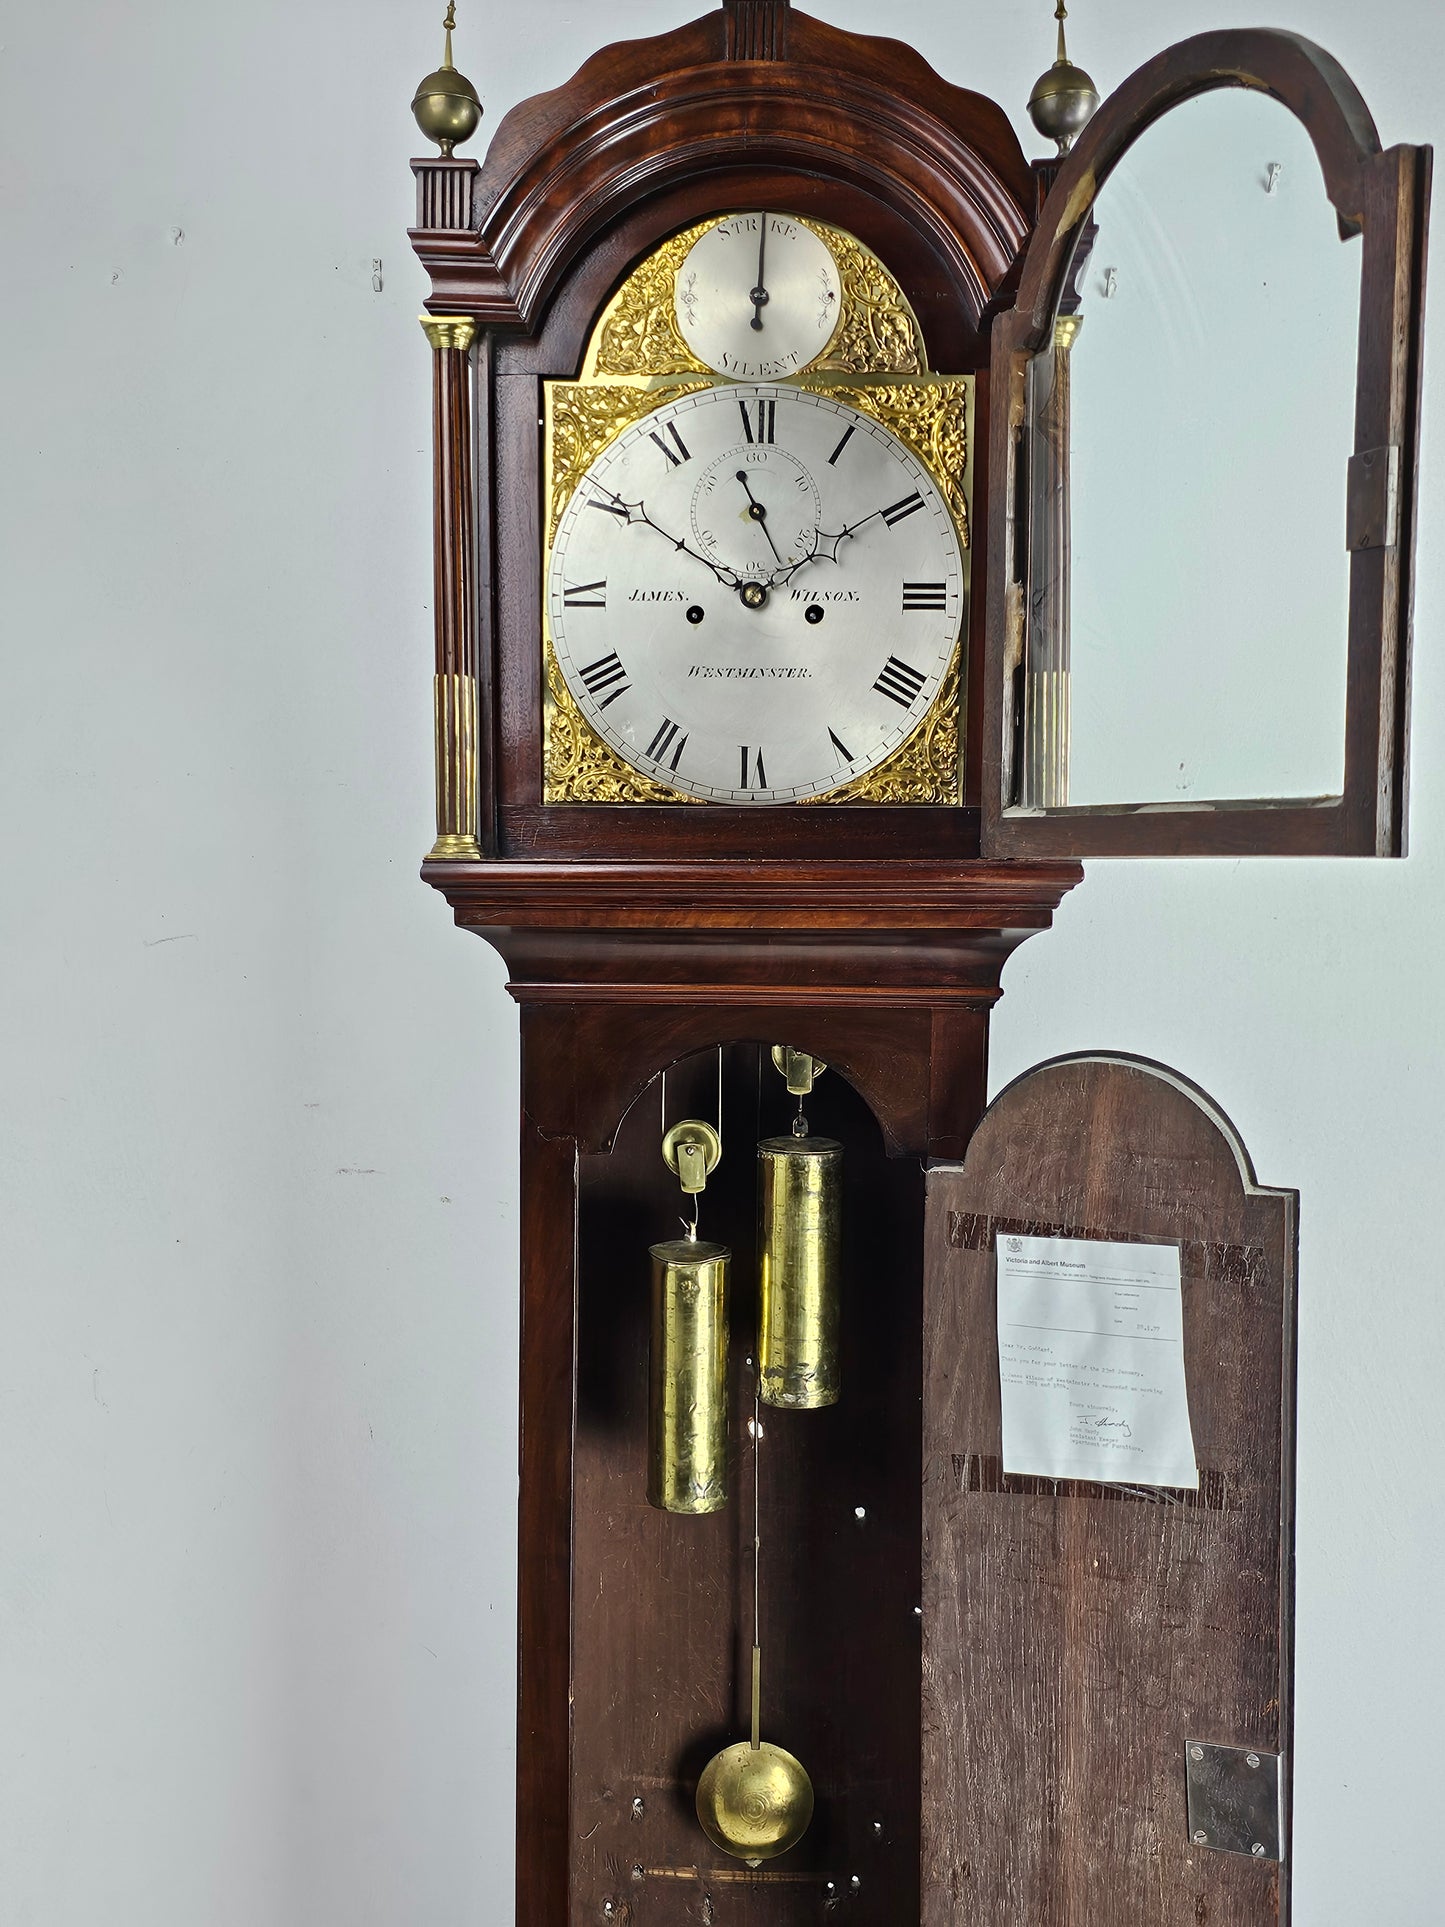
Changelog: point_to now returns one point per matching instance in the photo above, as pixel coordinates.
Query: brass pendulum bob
(800, 1196)
(754, 1799)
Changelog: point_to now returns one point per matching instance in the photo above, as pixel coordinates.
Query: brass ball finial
(447, 106)
(1063, 101)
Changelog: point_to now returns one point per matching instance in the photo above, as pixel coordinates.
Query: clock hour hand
(759, 295)
(633, 513)
(757, 513)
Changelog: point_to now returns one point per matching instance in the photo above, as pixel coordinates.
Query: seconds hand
(757, 513)
(759, 295)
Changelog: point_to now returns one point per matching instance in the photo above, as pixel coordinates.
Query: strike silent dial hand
(635, 514)
(759, 295)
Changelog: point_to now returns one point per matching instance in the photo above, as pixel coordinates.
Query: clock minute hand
(759, 295)
(636, 513)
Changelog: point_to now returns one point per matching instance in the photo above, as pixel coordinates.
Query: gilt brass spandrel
(638, 337)
(878, 332)
(800, 1214)
(932, 415)
(688, 1405)
(577, 766)
(926, 767)
(581, 419)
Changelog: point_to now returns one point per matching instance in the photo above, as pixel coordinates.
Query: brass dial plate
(636, 361)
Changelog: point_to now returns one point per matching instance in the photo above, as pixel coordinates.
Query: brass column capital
(449, 330)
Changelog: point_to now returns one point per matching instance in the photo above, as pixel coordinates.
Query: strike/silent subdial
(759, 296)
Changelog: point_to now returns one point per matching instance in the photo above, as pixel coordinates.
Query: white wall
(257, 1253)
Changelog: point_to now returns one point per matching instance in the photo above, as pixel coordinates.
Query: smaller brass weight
(800, 1198)
(688, 1403)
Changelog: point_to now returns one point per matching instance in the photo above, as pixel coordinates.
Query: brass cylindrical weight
(800, 1197)
(688, 1407)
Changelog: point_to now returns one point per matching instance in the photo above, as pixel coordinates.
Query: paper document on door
(1091, 1359)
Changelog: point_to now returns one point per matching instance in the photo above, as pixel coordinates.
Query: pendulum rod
(757, 1559)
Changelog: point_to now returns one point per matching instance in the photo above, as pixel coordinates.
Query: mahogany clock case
(643, 938)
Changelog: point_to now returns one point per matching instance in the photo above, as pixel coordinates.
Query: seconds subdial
(756, 510)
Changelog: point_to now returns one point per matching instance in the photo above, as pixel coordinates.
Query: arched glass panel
(1188, 434)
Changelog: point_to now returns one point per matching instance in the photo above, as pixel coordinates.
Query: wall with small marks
(257, 1189)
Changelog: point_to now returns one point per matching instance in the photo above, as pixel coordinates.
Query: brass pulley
(692, 1151)
(800, 1071)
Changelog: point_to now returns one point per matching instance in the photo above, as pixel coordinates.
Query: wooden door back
(1078, 1636)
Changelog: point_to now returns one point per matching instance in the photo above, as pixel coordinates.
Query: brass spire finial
(1063, 101)
(447, 106)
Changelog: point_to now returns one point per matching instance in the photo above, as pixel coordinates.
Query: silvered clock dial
(755, 594)
(758, 296)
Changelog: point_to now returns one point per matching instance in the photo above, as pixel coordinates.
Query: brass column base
(458, 848)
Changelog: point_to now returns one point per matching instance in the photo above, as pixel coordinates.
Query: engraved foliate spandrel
(928, 768)
(639, 335)
(931, 416)
(879, 332)
(583, 419)
(577, 766)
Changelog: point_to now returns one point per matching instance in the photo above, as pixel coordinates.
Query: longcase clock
(766, 670)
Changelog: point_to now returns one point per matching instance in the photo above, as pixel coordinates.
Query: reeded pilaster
(454, 592)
